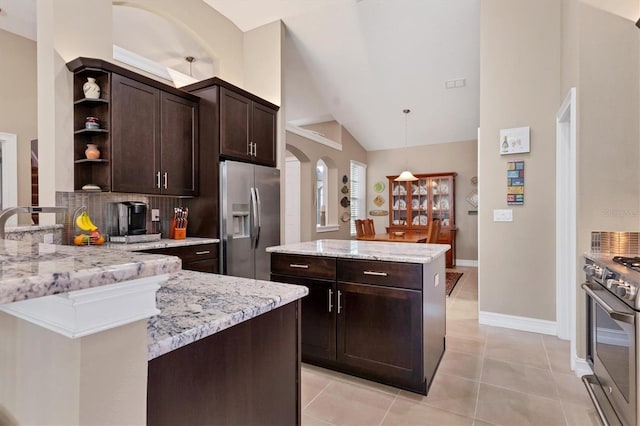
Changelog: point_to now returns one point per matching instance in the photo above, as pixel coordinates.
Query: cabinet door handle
(249, 149)
(339, 301)
(255, 149)
(203, 252)
(297, 265)
(166, 180)
(158, 180)
(377, 274)
(330, 299)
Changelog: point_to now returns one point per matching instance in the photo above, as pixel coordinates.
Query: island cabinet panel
(368, 318)
(248, 374)
(379, 332)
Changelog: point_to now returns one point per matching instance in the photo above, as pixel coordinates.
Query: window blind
(358, 194)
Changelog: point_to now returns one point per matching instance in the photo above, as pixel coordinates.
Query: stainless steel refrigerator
(250, 218)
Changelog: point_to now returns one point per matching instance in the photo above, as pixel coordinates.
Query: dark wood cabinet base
(248, 374)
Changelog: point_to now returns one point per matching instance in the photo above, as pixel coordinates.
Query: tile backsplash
(97, 205)
(615, 242)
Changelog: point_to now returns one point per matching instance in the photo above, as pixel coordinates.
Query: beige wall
(459, 157)
(18, 109)
(329, 129)
(519, 86)
(608, 132)
(309, 152)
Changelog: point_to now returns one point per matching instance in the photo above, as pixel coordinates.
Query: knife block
(177, 233)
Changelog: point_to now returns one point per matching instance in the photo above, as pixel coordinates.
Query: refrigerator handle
(259, 210)
(254, 219)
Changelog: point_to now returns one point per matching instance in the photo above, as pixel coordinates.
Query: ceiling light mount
(191, 60)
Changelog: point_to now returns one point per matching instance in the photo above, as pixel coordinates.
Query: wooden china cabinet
(413, 205)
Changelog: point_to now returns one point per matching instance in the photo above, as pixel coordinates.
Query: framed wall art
(514, 141)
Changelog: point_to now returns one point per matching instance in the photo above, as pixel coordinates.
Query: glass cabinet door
(441, 200)
(420, 202)
(399, 203)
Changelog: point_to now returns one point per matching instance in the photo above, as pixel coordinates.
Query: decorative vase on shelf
(92, 152)
(91, 89)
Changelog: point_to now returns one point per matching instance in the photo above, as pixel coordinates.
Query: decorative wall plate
(378, 212)
(345, 217)
(378, 201)
(472, 198)
(378, 186)
(344, 189)
(344, 202)
(345, 179)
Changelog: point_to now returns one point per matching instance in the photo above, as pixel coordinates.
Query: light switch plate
(503, 215)
(436, 280)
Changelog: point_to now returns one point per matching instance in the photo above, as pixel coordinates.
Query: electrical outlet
(503, 215)
(155, 215)
(436, 280)
(48, 238)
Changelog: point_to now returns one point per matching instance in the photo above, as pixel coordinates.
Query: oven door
(612, 334)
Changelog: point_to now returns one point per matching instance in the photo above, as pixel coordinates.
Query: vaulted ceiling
(360, 62)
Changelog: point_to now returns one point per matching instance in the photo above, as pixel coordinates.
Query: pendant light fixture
(406, 175)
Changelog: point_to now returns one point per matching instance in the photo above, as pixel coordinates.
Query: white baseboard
(580, 367)
(518, 323)
(466, 262)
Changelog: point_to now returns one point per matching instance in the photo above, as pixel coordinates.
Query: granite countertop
(32, 228)
(163, 243)
(31, 269)
(366, 250)
(194, 305)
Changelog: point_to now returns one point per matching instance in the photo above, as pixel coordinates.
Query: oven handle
(589, 380)
(616, 315)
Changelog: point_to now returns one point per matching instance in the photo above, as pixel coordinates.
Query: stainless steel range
(613, 333)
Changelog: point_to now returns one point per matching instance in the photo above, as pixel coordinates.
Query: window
(358, 193)
(322, 188)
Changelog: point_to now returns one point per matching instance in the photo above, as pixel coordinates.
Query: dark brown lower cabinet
(248, 374)
(379, 332)
(384, 321)
(200, 257)
(319, 318)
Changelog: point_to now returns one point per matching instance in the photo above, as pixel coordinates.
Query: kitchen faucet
(8, 212)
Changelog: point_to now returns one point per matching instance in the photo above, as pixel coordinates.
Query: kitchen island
(375, 309)
(77, 345)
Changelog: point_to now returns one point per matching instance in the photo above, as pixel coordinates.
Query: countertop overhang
(366, 250)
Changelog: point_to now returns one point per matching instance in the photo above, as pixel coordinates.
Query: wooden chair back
(433, 232)
(369, 228)
(359, 228)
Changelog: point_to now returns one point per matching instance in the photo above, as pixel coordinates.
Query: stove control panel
(622, 288)
(592, 270)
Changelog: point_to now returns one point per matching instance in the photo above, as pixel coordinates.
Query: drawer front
(190, 253)
(304, 266)
(390, 274)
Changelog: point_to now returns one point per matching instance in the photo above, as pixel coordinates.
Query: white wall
(292, 206)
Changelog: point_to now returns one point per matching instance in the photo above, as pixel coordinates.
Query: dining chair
(369, 228)
(433, 232)
(359, 228)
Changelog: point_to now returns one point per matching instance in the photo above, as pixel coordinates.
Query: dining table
(398, 237)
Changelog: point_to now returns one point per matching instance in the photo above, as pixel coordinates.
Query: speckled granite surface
(35, 233)
(195, 305)
(366, 250)
(29, 270)
(163, 243)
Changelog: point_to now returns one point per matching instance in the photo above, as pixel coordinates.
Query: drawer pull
(339, 301)
(203, 252)
(330, 297)
(297, 265)
(377, 274)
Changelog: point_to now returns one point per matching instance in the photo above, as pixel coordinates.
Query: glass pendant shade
(406, 176)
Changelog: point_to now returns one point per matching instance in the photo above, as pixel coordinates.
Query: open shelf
(87, 160)
(91, 101)
(89, 131)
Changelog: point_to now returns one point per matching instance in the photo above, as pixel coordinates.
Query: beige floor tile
(312, 421)
(462, 344)
(461, 364)
(571, 389)
(404, 412)
(579, 415)
(559, 361)
(552, 342)
(449, 393)
(466, 328)
(505, 407)
(347, 404)
(335, 375)
(517, 351)
(500, 334)
(518, 377)
(313, 383)
(477, 422)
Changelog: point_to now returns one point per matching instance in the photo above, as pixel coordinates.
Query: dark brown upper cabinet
(149, 136)
(246, 124)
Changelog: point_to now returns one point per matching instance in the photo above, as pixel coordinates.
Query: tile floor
(488, 376)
